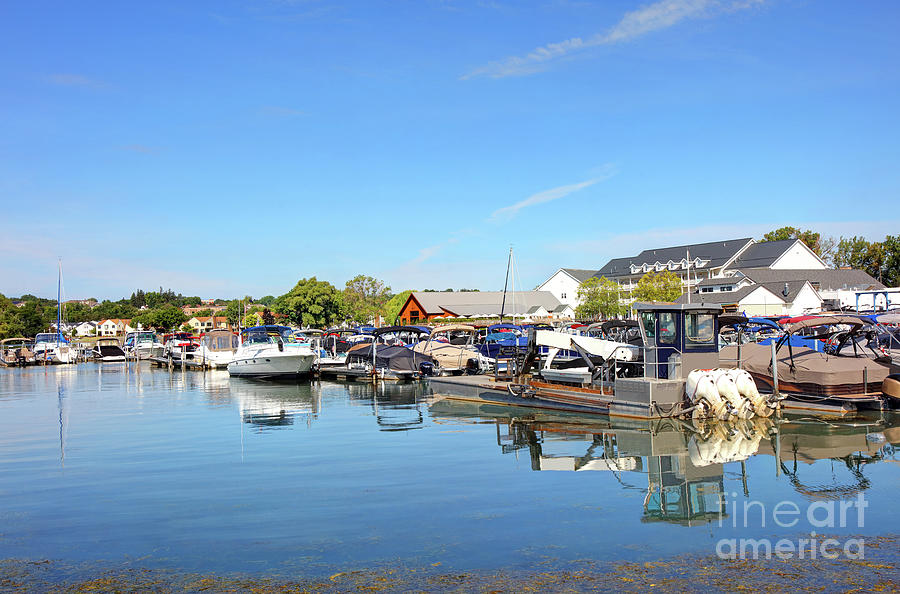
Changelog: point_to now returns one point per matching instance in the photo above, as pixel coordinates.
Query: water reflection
(685, 463)
(268, 405)
(396, 407)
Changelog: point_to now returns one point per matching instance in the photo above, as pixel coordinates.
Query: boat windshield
(261, 335)
(49, 337)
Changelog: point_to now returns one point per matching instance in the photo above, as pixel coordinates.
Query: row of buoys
(725, 393)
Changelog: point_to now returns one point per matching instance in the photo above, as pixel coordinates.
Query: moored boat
(271, 352)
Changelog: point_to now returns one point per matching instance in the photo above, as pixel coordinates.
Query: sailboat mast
(58, 295)
(505, 285)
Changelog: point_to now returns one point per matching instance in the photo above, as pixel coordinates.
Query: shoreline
(879, 571)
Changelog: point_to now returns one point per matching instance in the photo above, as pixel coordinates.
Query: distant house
(564, 283)
(422, 306)
(114, 327)
(192, 311)
(203, 324)
(87, 302)
(86, 329)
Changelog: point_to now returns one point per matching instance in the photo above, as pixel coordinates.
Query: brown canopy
(824, 321)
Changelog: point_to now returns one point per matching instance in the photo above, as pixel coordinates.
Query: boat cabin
(678, 337)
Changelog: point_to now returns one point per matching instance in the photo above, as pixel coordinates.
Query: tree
(203, 312)
(267, 318)
(665, 286)
(394, 305)
(599, 299)
(310, 303)
(823, 247)
(891, 264)
(861, 254)
(233, 312)
(364, 298)
(268, 300)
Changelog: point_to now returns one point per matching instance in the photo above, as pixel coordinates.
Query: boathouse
(422, 306)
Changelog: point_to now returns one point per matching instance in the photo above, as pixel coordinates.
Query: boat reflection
(396, 407)
(684, 463)
(268, 405)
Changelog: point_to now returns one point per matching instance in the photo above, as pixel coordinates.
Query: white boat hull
(53, 354)
(268, 361)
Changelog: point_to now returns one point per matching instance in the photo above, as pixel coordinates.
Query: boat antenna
(505, 285)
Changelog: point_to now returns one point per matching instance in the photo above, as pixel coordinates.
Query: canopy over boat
(501, 327)
(453, 328)
(816, 321)
(395, 358)
(220, 340)
(610, 324)
(398, 329)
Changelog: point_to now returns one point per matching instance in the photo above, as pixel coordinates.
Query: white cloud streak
(508, 212)
(653, 17)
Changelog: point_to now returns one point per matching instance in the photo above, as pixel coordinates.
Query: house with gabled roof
(772, 291)
(114, 327)
(564, 283)
(422, 306)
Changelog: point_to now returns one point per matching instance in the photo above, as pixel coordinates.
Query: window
(649, 321)
(562, 296)
(699, 329)
(706, 289)
(667, 330)
(413, 315)
(727, 288)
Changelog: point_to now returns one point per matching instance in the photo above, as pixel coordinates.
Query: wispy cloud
(74, 80)
(508, 212)
(653, 17)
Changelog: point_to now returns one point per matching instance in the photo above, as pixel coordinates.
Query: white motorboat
(217, 349)
(271, 351)
(52, 347)
(107, 350)
(139, 344)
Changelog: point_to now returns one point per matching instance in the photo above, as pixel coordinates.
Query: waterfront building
(204, 324)
(114, 327)
(422, 306)
(564, 284)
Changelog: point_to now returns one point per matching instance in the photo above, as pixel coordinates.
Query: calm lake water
(201, 472)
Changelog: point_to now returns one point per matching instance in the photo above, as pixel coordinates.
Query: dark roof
(763, 254)
(722, 296)
(827, 279)
(615, 267)
(579, 274)
(776, 288)
(716, 252)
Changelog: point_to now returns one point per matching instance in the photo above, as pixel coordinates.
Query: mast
(58, 295)
(505, 285)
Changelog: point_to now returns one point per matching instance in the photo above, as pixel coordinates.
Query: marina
(203, 472)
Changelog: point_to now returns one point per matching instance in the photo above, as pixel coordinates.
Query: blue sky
(233, 147)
